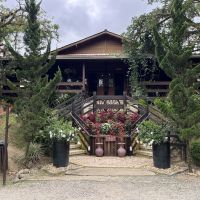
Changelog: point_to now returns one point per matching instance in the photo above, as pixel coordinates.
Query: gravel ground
(158, 187)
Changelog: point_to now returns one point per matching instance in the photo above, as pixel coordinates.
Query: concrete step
(74, 152)
(75, 146)
(144, 153)
(145, 147)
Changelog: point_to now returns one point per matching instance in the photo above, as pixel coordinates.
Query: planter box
(161, 155)
(60, 153)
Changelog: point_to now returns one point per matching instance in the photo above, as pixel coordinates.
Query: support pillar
(83, 76)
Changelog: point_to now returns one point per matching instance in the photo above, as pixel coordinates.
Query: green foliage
(32, 104)
(151, 132)
(139, 43)
(195, 152)
(34, 155)
(60, 129)
(183, 105)
(173, 51)
(105, 128)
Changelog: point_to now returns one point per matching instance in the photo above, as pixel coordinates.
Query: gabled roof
(82, 41)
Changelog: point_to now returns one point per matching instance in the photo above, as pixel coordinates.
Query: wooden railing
(99, 102)
(62, 87)
(156, 88)
(70, 87)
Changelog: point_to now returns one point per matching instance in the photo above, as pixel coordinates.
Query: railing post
(129, 147)
(124, 99)
(94, 102)
(91, 145)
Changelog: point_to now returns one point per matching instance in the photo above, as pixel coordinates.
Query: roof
(105, 32)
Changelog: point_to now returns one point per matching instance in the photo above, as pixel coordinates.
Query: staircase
(80, 104)
(76, 150)
(144, 151)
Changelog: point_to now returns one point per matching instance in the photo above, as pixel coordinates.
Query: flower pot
(99, 150)
(60, 153)
(161, 155)
(121, 151)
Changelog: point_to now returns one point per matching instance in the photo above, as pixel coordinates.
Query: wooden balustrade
(156, 88)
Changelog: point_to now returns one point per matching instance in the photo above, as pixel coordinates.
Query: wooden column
(83, 76)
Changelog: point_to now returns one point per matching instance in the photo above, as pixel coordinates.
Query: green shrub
(34, 154)
(151, 132)
(195, 152)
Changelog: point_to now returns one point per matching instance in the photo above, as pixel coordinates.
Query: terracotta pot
(121, 151)
(99, 150)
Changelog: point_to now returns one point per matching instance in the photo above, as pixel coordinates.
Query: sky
(78, 19)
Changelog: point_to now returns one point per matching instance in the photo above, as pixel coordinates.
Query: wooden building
(93, 64)
(97, 63)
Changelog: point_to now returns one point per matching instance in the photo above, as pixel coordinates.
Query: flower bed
(109, 123)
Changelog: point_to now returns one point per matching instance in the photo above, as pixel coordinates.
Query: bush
(34, 155)
(151, 132)
(195, 152)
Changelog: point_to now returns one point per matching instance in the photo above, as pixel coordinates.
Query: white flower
(50, 134)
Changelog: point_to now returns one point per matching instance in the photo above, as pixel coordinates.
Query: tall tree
(35, 88)
(8, 19)
(138, 39)
(173, 52)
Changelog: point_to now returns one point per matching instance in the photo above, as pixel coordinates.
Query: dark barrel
(161, 155)
(60, 153)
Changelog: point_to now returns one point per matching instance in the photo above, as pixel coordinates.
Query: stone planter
(60, 153)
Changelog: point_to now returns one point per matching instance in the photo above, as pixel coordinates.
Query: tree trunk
(189, 158)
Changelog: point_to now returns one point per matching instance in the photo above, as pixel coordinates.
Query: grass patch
(13, 135)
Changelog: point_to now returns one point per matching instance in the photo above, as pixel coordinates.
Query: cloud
(80, 18)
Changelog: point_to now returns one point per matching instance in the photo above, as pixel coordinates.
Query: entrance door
(105, 84)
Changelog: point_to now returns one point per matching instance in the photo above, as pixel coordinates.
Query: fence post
(94, 102)
(129, 147)
(5, 152)
(124, 99)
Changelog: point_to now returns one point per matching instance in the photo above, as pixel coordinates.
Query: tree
(138, 39)
(8, 19)
(173, 52)
(31, 69)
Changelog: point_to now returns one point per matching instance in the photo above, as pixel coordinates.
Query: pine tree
(32, 67)
(174, 56)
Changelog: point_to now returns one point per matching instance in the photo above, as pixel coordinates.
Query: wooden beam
(70, 84)
(148, 83)
(69, 91)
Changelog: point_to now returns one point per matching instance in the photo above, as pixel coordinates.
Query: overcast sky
(78, 19)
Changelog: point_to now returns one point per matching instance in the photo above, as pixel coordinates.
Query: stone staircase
(144, 151)
(76, 150)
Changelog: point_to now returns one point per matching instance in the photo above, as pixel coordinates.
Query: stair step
(75, 146)
(144, 153)
(145, 147)
(77, 152)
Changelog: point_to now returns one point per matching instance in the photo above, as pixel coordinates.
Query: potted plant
(155, 134)
(61, 132)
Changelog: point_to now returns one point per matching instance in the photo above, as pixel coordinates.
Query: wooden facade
(97, 64)
(94, 64)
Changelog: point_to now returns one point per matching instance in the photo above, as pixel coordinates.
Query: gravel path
(100, 188)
